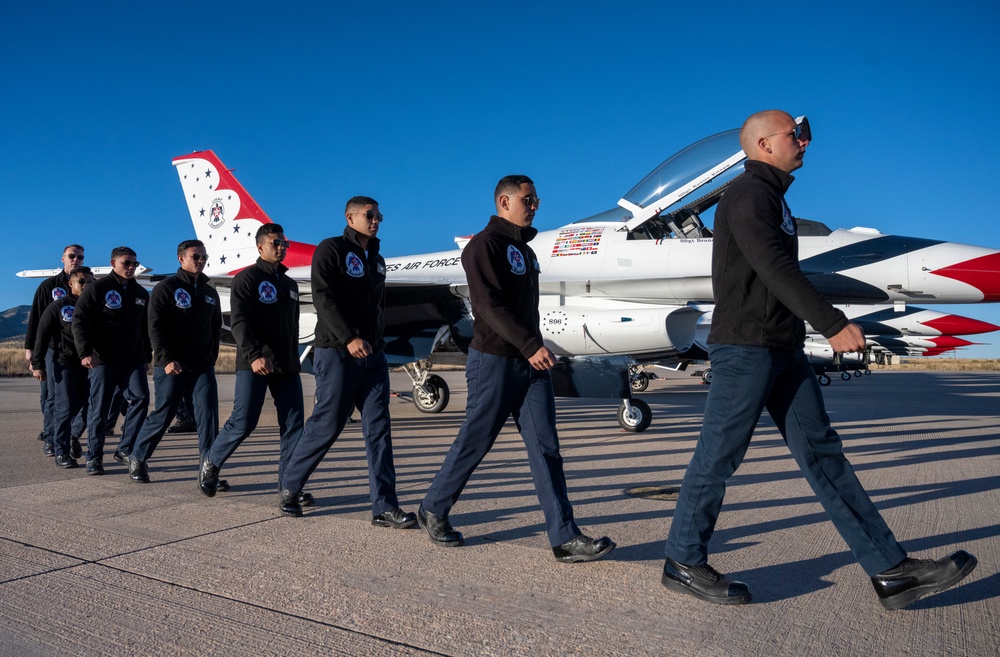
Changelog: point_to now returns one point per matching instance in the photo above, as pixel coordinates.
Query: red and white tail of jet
(226, 217)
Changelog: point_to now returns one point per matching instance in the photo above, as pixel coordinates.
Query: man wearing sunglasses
(112, 339)
(65, 376)
(508, 376)
(265, 325)
(755, 346)
(51, 289)
(185, 323)
(348, 286)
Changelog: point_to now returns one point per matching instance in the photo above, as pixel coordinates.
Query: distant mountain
(14, 322)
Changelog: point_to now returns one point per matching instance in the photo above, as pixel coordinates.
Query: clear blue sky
(425, 105)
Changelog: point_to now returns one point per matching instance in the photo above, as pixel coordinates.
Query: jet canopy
(671, 198)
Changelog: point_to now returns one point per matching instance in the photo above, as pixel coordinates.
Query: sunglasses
(75, 256)
(128, 264)
(197, 257)
(802, 132)
(371, 215)
(529, 200)
(279, 244)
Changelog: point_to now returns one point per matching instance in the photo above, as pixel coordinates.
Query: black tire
(640, 420)
(706, 377)
(846, 376)
(868, 372)
(435, 399)
(824, 380)
(639, 382)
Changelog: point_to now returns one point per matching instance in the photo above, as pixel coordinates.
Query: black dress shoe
(137, 471)
(704, 583)
(290, 504)
(208, 477)
(121, 457)
(183, 427)
(583, 548)
(75, 450)
(48, 448)
(439, 529)
(395, 518)
(223, 486)
(307, 499)
(914, 578)
(64, 461)
(95, 467)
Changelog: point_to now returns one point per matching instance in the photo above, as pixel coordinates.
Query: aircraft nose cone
(958, 325)
(982, 273)
(949, 341)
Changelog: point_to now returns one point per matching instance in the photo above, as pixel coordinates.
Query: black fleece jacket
(761, 294)
(265, 317)
(502, 272)
(55, 329)
(52, 288)
(348, 290)
(185, 321)
(110, 320)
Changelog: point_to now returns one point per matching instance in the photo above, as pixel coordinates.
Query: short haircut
(120, 251)
(359, 202)
(187, 244)
(75, 271)
(268, 229)
(509, 184)
(71, 246)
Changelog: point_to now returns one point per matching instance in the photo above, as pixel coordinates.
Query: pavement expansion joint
(270, 610)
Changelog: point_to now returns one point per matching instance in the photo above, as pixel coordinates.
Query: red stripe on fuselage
(981, 273)
(958, 325)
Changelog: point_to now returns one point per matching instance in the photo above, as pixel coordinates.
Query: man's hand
(851, 338)
(173, 368)
(359, 348)
(90, 362)
(543, 359)
(262, 366)
(27, 355)
(38, 374)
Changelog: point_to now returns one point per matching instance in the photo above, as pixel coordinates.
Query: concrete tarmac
(106, 566)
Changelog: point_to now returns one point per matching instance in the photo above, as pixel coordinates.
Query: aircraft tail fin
(225, 216)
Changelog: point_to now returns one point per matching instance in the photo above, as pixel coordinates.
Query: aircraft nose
(950, 342)
(959, 325)
(982, 273)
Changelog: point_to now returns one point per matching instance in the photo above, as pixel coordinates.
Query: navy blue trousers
(72, 388)
(500, 387)
(104, 381)
(78, 422)
(200, 386)
(248, 400)
(344, 383)
(745, 381)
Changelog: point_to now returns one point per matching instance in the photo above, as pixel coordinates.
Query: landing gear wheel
(640, 382)
(824, 380)
(857, 373)
(706, 377)
(846, 376)
(638, 420)
(433, 396)
(868, 372)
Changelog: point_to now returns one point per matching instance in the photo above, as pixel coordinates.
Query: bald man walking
(755, 346)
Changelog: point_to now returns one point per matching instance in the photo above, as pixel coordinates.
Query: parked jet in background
(620, 287)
